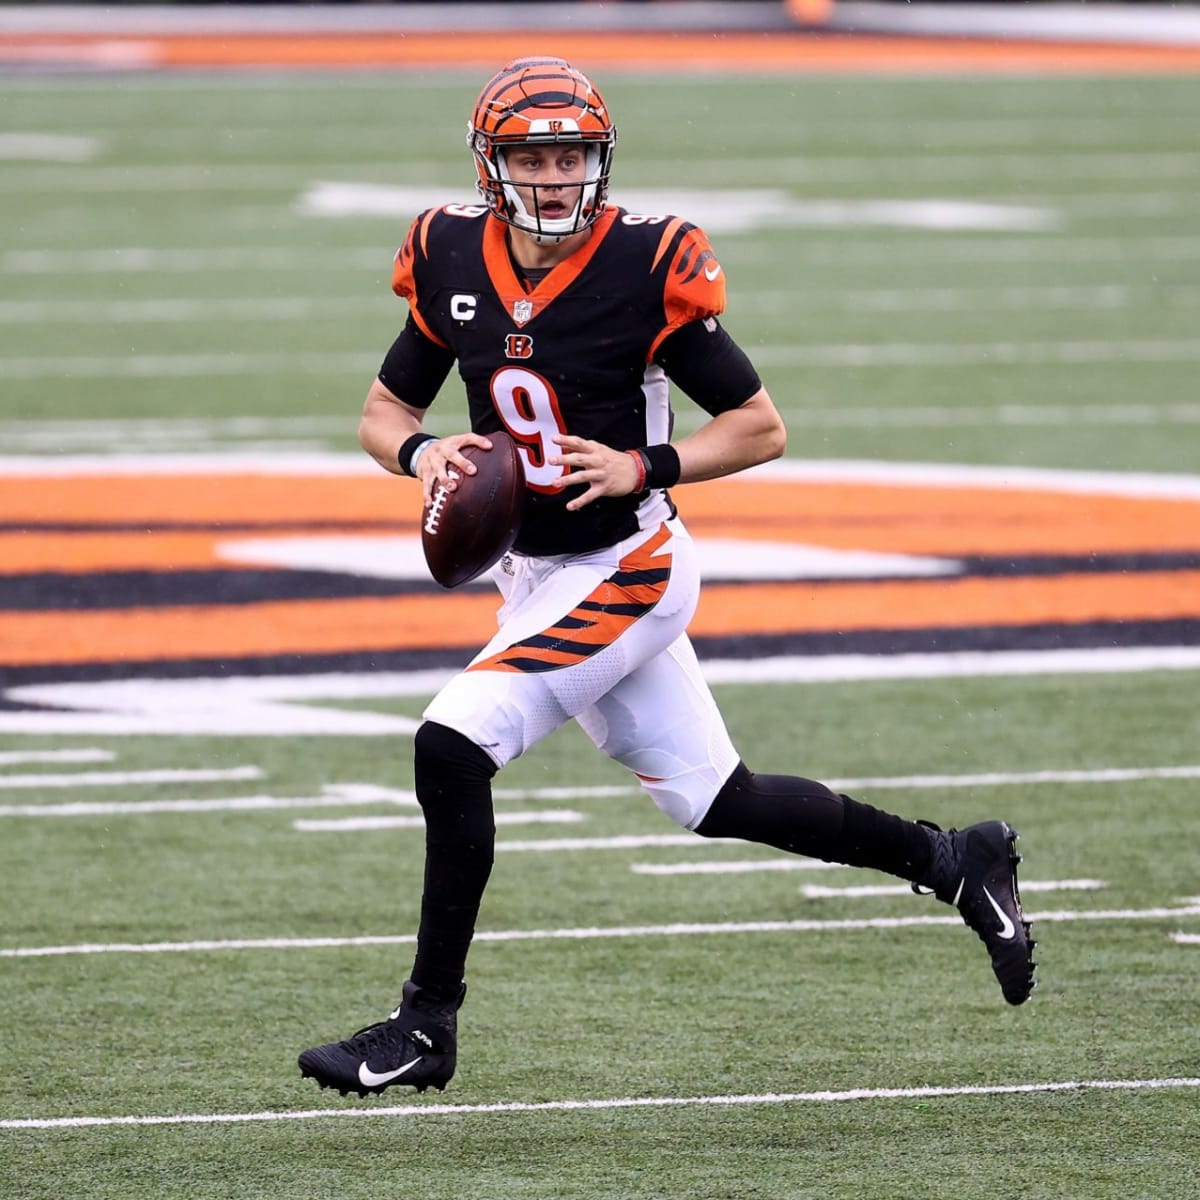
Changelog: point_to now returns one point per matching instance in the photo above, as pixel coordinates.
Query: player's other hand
(604, 471)
(433, 467)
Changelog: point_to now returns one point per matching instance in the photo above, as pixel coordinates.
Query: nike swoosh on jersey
(710, 273)
(1007, 929)
(369, 1078)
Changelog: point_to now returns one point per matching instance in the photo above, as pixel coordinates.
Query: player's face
(548, 178)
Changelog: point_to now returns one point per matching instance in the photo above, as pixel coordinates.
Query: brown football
(466, 531)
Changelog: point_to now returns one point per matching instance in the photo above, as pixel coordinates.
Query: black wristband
(662, 465)
(405, 453)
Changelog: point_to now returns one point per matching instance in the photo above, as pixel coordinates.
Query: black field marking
(1098, 636)
(59, 590)
(237, 585)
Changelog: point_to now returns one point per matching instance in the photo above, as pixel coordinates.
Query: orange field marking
(745, 52)
(467, 620)
(900, 520)
(218, 508)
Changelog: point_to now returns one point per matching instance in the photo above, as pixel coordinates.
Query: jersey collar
(521, 305)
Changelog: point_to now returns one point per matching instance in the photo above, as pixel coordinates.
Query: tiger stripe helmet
(541, 100)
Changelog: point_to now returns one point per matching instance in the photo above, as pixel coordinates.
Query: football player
(567, 318)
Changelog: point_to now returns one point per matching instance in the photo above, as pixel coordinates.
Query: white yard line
(624, 841)
(1103, 296)
(125, 778)
(995, 248)
(1019, 779)
(336, 795)
(739, 867)
(591, 933)
(150, 807)
(855, 355)
(956, 354)
(817, 892)
(12, 758)
(628, 1102)
(939, 416)
(170, 310)
(1186, 939)
(363, 824)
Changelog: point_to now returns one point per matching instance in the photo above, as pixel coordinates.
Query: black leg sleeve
(454, 788)
(805, 817)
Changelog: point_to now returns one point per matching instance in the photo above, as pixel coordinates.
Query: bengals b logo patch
(518, 345)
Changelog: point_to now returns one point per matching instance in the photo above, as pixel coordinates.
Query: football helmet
(541, 101)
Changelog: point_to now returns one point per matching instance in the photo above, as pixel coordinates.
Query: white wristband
(416, 454)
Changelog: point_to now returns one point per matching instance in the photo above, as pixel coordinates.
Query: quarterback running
(569, 321)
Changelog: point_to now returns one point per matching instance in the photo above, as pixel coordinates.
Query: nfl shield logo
(522, 311)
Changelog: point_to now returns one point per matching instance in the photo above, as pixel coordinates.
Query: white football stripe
(552, 1106)
(720, 558)
(594, 933)
(814, 891)
(361, 824)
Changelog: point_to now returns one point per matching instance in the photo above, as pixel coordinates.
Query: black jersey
(574, 355)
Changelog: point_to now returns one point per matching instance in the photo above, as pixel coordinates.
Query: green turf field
(165, 288)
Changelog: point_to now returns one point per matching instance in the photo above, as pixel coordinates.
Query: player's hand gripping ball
(466, 531)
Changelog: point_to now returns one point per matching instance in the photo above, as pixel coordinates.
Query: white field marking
(588, 934)
(239, 706)
(630, 1102)
(47, 147)
(939, 416)
(966, 166)
(623, 841)
(717, 210)
(960, 475)
(201, 176)
(813, 891)
(334, 795)
(831, 470)
(945, 299)
(150, 807)
(1186, 939)
(831, 355)
(548, 816)
(139, 259)
(125, 778)
(11, 758)
(957, 354)
(225, 310)
(394, 557)
(1019, 778)
(1103, 296)
(882, 253)
(565, 793)
(183, 366)
(148, 436)
(847, 668)
(741, 867)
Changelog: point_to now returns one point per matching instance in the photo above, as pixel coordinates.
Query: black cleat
(975, 869)
(416, 1045)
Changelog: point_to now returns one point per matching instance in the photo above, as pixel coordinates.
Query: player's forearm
(732, 441)
(386, 424)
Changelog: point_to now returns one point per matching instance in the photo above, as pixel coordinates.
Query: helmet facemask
(585, 198)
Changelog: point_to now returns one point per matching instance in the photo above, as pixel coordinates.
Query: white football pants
(601, 637)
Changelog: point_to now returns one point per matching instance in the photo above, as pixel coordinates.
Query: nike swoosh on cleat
(1007, 929)
(368, 1078)
(710, 273)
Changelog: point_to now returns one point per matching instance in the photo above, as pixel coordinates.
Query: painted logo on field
(201, 567)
